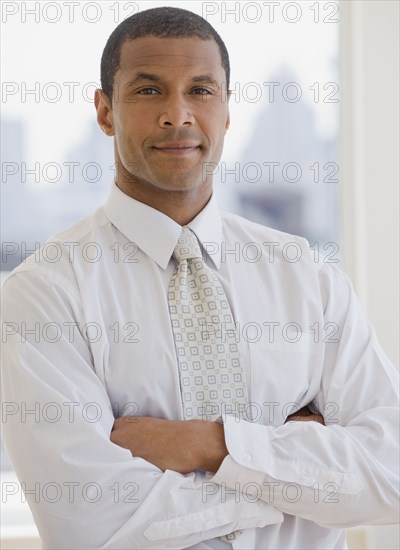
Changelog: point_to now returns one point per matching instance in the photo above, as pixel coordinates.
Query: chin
(181, 182)
(178, 186)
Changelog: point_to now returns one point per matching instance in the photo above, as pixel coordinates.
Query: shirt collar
(156, 234)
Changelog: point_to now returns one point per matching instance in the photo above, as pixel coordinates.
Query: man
(144, 408)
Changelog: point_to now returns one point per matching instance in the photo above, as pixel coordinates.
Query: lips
(177, 147)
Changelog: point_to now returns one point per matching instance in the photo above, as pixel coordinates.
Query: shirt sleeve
(346, 472)
(84, 491)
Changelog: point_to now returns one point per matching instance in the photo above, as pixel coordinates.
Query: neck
(181, 206)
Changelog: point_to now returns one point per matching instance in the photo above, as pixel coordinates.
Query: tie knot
(187, 246)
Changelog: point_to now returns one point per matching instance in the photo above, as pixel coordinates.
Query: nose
(176, 113)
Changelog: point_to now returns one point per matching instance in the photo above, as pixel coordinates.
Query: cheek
(127, 139)
(215, 124)
(132, 128)
(217, 133)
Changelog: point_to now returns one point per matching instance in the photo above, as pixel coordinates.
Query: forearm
(180, 445)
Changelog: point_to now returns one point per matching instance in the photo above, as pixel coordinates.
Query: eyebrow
(156, 78)
(205, 78)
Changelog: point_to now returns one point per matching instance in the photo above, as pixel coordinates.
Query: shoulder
(233, 223)
(268, 240)
(56, 260)
(290, 253)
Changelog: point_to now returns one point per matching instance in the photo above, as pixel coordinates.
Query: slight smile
(177, 149)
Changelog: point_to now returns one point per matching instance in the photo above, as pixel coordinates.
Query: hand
(305, 415)
(180, 445)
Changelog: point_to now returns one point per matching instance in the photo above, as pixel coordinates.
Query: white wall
(370, 180)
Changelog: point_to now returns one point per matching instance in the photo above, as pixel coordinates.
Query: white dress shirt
(88, 338)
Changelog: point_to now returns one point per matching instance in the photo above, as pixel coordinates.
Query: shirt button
(246, 457)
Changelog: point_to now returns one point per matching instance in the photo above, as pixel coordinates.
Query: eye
(148, 91)
(202, 91)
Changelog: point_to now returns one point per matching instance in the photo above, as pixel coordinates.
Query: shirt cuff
(242, 467)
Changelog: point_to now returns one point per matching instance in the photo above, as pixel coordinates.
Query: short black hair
(163, 22)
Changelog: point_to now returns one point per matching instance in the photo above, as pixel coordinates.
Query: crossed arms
(183, 446)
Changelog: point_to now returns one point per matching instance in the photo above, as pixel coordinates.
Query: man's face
(169, 114)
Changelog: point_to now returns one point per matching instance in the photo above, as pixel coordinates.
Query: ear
(104, 112)
(228, 121)
(228, 118)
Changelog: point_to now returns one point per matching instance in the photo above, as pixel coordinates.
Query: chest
(279, 332)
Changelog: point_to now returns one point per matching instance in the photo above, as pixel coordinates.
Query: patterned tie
(211, 374)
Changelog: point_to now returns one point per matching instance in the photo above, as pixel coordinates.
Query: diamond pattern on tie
(210, 367)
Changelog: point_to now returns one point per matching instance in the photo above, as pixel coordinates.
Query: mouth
(177, 149)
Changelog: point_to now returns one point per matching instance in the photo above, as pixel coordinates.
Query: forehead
(189, 56)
